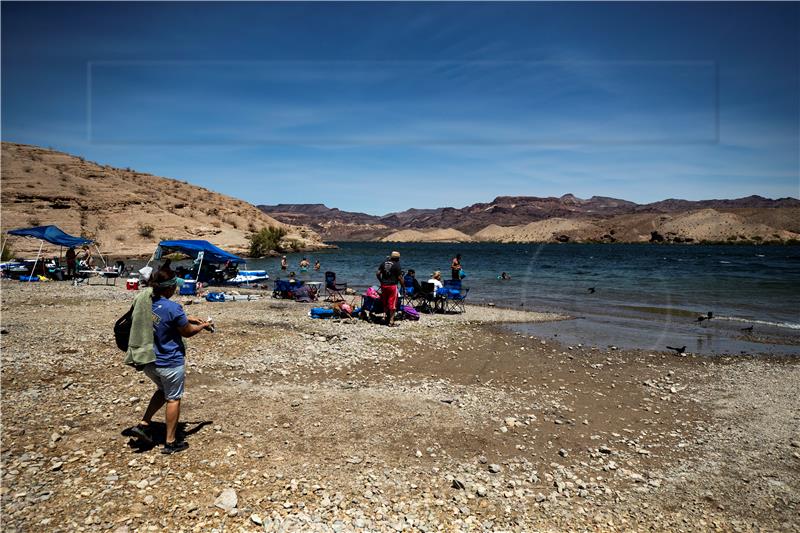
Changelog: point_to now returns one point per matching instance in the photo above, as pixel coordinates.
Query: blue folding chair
(454, 294)
(334, 291)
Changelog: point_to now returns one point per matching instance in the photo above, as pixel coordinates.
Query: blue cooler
(189, 288)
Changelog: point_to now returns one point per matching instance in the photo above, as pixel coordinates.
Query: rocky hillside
(564, 219)
(125, 211)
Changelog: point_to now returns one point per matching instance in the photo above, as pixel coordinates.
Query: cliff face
(125, 211)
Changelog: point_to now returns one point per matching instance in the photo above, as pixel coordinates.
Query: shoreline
(450, 423)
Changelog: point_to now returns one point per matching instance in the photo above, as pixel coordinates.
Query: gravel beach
(452, 423)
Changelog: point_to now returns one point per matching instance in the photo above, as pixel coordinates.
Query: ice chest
(189, 287)
(132, 284)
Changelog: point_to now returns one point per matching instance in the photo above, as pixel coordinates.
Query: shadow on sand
(158, 432)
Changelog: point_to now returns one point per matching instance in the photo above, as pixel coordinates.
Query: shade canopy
(192, 248)
(51, 234)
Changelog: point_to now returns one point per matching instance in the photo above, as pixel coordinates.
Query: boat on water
(248, 276)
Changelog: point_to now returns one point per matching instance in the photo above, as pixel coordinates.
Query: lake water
(646, 296)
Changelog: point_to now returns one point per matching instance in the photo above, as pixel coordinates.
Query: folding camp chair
(427, 298)
(334, 291)
(412, 291)
(285, 288)
(454, 295)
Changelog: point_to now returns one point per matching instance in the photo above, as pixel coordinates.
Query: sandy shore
(452, 423)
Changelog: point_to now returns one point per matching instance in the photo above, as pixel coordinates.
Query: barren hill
(125, 211)
(432, 235)
(551, 229)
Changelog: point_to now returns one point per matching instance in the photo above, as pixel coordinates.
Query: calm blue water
(641, 291)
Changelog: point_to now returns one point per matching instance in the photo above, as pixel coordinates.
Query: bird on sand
(748, 329)
(679, 351)
(591, 290)
(708, 316)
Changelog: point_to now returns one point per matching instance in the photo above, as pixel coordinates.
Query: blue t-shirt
(168, 346)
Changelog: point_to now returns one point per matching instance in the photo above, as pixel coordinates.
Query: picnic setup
(210, 266)
(65, 266)
(202, 267)
(342, 301)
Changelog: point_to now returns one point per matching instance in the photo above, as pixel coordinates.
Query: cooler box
(132, 284)
(189, 288)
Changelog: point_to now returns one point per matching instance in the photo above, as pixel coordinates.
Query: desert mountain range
(563, 219)
(128, 212)
(125, 211)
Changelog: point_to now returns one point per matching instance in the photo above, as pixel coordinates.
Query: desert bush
(82, 190)
(27, 168)
(251, 227)
(34, 221)
(146, 230)
(120, 237)
(265, 240)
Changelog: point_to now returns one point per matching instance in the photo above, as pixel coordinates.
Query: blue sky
(380, 107)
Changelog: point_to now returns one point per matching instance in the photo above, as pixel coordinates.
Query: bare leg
(156, 402)
(173, 413)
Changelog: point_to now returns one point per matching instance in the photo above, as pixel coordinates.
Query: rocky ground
(452, 423)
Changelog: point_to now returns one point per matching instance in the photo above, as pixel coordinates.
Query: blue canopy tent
(203, 251)
(193, 248)
(53, 235)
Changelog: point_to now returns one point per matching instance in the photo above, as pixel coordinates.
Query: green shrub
(265, 240)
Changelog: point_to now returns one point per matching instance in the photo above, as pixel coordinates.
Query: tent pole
(37, 258)
(101, 255)
(197, 277)
(3, 249)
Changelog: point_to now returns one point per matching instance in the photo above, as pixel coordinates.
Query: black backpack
(122, 330)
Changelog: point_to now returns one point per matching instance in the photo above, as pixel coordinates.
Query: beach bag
(122, 330)
(215, 297)
(410, 313)
(372, 293)
(320, 312)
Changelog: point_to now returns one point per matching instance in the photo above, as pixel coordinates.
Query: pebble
(227, 500)
(494, 468)
(254, 518)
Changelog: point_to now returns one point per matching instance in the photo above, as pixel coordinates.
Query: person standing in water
(284, 263)
(455, 267)
(317, 266)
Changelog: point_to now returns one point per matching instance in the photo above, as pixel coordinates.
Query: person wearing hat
(164, 350)
(390, 274)
(436, 280)
(284, 263)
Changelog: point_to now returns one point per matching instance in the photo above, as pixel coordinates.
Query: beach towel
(320, 312)
(140, 343)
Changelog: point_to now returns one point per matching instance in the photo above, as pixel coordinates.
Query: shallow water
(646, 296)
